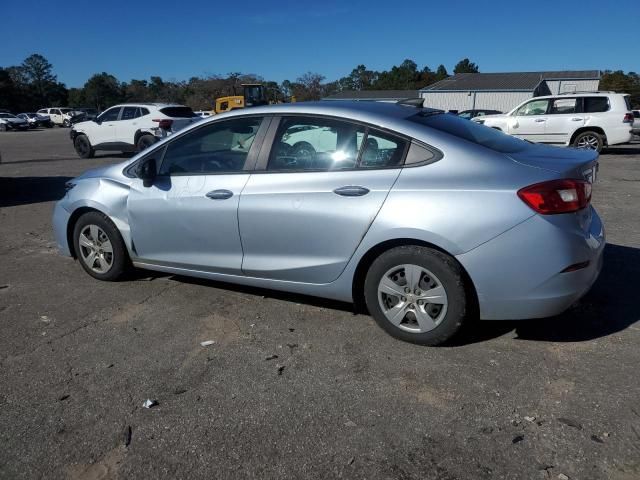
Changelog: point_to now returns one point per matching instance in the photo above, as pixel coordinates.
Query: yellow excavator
(253, 95)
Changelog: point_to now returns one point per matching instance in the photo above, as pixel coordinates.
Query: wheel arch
(374, 252)
(597, 130)
(139, 133)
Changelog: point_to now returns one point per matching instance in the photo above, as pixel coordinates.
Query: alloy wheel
(412, 298)
(96, 250)
(589, 142)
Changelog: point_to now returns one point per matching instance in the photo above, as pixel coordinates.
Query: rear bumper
(520, 275)
(616, 136)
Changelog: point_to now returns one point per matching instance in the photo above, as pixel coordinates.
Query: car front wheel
(99, 247)
(83, 147)
(417, 294)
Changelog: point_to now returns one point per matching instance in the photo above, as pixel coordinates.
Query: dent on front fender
(104, 195)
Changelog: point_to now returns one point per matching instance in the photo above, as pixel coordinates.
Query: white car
(58, 116)
(9, 121)
(636, 122)
(586, 120)
(130, 127)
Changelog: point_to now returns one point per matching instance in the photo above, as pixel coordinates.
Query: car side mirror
(97, 120)
(148, 171)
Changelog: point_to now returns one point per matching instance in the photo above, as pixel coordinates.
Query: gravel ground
(512, 400)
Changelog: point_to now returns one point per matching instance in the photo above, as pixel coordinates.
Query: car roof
(580, 94)
(150, 104)
(366, 111)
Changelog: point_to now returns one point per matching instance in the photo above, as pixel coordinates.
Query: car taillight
(557, 196)
(628, 118)
(164, 123)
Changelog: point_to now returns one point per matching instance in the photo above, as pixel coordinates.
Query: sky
(283, 39)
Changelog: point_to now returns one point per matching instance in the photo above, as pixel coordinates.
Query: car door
(528, 121)
(319, 184)
(188, 218)
(127, 125)
(104, 130)
(564, 118)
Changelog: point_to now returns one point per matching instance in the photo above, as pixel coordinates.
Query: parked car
(459, 218)
(59, 116)
(82, 114)
(9, 121)
(636, 122)
(204, 113)
(469, 114)
(130, 127)
(590, 120)
(35, 120)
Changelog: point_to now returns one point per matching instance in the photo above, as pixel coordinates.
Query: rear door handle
(219, 194)
(351, 191)
(538, 120)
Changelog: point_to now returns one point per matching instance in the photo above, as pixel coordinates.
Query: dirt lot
(512, 400)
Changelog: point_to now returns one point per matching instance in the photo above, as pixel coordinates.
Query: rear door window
(596, 104)
(382, 150)
(563, 105)
(129, 113)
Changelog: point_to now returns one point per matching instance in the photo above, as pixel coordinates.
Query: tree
(8, 91)
(308, 86)
(38, 74)
(441, 73)
(359, 79)
(465, 66)
(103, 90)
(618, 81)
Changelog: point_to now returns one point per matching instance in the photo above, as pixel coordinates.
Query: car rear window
(627, 100)
(178, 112)
(470, 131)
(596, 104)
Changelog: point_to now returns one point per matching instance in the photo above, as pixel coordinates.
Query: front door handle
(538, 120)
(219, 194)
(576, 119)
(351, 191)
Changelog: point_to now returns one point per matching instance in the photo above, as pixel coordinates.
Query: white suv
(129, 127)
(586, 120)
(58, 116)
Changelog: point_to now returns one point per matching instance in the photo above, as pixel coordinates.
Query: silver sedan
(427, 219)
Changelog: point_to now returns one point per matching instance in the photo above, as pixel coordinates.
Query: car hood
(112, 172)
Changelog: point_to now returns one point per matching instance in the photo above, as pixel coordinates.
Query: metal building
(503, 91)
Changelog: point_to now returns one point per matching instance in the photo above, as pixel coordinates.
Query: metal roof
(374, 95)
(523, 81)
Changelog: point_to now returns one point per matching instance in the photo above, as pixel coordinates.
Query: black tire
(83, 147)
(66, 123)
(144, 142)
(590, 140)
(449, 276)
(120, 262)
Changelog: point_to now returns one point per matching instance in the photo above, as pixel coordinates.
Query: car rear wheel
(83, 147)
(589, 140)
(100, 248)
(416, 294)
(145, 141)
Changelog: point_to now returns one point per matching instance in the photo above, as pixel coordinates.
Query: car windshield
(471, 132)
(7, 115)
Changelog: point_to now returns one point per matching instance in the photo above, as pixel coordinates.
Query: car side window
(382, 150)
(220, 147)
(563, 105)
(129, 113)
(110, 115)
(142, 112)
(535, 107)
(55, 111)
(596, 104)
(315, 144)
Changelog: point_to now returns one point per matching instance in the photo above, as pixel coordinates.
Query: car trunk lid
(568, 162)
